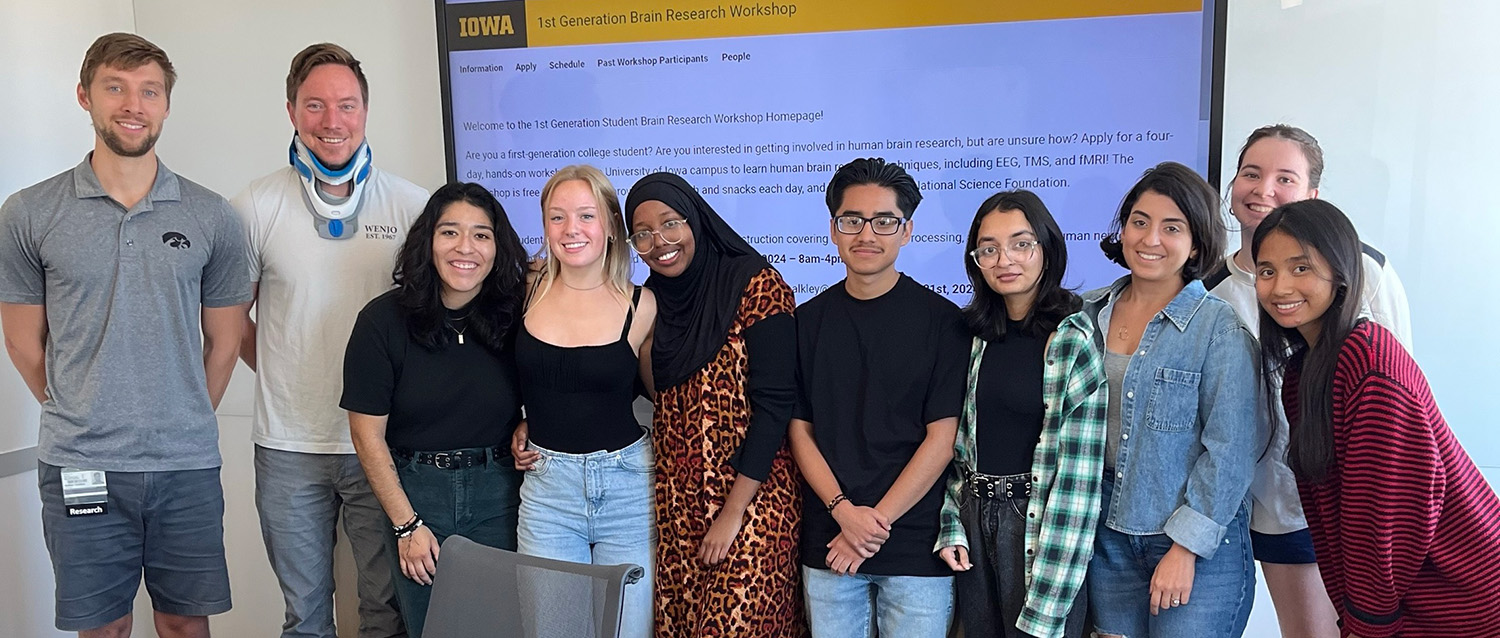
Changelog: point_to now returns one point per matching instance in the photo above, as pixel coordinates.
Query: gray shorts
(168, 524)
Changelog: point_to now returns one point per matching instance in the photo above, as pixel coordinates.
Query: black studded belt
(454, 460)
(991, 486)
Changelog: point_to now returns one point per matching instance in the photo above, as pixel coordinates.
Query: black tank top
(578, 400)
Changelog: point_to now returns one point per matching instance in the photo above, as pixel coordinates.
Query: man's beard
(117, 145)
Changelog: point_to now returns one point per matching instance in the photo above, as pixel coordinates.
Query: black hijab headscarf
(694, 309)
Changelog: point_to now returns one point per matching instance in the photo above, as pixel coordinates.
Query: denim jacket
(1192, 419)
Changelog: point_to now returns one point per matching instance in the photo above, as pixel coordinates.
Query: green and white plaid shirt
(1065, 471)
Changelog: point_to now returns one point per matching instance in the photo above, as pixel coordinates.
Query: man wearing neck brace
(323, 235)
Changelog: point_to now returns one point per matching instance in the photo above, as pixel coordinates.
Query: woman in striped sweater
(1407, 531)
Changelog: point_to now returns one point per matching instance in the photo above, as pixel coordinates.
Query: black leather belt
(457, 459)
(991, 486)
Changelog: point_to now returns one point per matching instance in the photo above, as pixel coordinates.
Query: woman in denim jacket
(1172, 557)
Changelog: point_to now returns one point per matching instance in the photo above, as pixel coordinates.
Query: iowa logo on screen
(486, 25)
(482, 26)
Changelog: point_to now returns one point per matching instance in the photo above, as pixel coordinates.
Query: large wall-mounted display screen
(756, 103)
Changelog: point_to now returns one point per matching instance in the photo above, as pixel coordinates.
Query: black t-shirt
(871, 375)
(1008, 405)
(458, 396)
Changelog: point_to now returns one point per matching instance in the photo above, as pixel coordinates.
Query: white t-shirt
(1275, 506)
(311, 290)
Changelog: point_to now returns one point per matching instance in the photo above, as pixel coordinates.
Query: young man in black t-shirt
(880, 387)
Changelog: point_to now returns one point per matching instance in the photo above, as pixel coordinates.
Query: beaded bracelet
(835, 502)
(403, 531)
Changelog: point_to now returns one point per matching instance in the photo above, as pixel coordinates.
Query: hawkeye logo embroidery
(176, 240)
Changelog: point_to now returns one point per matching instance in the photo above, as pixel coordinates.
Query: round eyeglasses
(988, 255)
(671, 232)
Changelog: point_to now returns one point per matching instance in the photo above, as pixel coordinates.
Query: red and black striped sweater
(1407, 531)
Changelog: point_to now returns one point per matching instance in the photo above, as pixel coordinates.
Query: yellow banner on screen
(568, 22)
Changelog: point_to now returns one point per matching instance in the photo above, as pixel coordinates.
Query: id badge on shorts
(85, 492)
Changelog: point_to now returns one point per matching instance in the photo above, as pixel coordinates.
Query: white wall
(228, 126)
(41, 49)
(46, 133)
(1401, 95)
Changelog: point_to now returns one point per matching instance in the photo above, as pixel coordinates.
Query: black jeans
(477, 502)
(992, 593)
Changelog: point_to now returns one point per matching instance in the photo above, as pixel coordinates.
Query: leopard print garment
(698, 426)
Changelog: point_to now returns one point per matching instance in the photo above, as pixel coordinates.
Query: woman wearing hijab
(723, 371)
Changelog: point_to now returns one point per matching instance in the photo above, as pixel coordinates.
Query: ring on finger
(1176, 602)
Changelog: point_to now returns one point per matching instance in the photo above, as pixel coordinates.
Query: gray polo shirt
(123, 291)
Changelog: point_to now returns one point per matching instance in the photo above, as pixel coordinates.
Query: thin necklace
(460, 333)
(565, 283)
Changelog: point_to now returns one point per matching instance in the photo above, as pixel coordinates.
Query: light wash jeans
(596, 508)
(300, 498)
(902, 606)
(1119, 584)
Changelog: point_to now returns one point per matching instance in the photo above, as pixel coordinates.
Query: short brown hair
(318, 55)
(125, 51)
(1198, 202)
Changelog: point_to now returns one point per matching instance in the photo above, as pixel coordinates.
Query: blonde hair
(617, 258)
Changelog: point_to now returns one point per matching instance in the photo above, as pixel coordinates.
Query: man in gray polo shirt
(122, 292)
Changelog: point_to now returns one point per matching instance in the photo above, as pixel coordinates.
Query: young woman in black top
(1019, 457)
(587, 495)
(430, 386)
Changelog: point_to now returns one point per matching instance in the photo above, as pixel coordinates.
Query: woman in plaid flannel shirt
(1019, 514)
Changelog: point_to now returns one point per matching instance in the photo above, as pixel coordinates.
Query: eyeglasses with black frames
(881, 224)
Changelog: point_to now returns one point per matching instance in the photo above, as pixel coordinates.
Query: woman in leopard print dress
(723, 367)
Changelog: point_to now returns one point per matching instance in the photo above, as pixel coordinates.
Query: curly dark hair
(496, 309)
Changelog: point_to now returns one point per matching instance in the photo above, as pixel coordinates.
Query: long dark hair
(1318, 226)
(986, 312)
(1198, 203)
(495, 310)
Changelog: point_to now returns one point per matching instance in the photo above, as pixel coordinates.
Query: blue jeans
(478, 503)
(596, 508)
(300, 498)
(904, 606)
(1119, 584)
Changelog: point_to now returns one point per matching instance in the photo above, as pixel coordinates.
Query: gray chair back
(481, 591)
